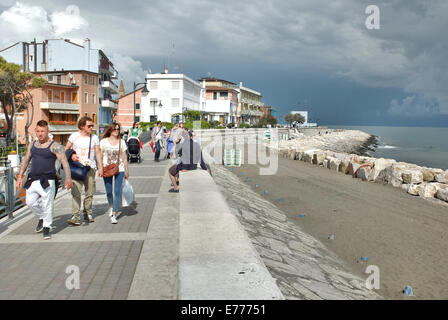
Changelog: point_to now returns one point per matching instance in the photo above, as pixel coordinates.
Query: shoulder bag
(77, 170)
(113, 169)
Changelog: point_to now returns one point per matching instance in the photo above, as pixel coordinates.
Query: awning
(63, 111)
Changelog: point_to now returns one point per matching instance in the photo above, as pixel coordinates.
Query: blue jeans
(114, 199)
(157, 147)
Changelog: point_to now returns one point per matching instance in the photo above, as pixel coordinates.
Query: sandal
(173, 190)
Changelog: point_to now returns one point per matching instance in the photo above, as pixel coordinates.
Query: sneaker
(40, 226)
(109, 212)
(113, 220)
(88, 217)
(47, 233)
(73, 223)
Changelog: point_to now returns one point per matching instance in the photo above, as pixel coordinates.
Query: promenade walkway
(106, 254)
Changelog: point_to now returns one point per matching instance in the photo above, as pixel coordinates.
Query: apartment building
(249, 105)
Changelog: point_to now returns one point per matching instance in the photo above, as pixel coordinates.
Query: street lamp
(160, 106)
(145, 91)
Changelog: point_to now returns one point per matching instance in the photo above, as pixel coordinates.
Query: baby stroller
(133, 151)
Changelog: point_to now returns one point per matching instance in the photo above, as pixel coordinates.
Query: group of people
(97, 156)
(107, 157)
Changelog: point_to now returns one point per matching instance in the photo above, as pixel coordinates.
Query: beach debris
(408, 291)
(364, 258)
(256, 185)
(281, 200)
(331, 236)
(301, 215)
(265, 192)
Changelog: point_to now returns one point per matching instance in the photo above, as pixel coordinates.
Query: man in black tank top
(41, 178)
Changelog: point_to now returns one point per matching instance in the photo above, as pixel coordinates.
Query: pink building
(125, 113)
(67, 96)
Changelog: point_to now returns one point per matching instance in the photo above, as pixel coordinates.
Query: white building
(170, 95)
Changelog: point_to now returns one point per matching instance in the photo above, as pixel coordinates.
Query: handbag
(78, 171)
(114, 168)
(151, 144)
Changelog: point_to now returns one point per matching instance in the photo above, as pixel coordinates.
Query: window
(174, 102)
(58, 79)
(224, 95)
(215, 95)
(175, 85)
(50, 95)
(94, 117)
(62, 97)
(137, 119)
(86, 97)
(50, 77)
(137, 106)
(86, 79)
(93, 98)
(153, 85)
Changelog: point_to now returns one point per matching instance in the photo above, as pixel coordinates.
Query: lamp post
(145, 91)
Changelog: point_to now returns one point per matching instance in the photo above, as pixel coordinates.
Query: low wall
(216, 258)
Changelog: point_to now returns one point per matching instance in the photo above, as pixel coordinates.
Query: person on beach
(190, 154)
(41, 181)
(112, 152)
(84, 147)
(157, 136)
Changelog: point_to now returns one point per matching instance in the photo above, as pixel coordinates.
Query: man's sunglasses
(90, 126)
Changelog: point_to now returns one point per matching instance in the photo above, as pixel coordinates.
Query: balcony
(109, 85)
(109, 103)
(57, 107)
(253, 113)
(252, 102)
(62, 127)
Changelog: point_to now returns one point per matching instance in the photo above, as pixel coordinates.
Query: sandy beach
(405, 236)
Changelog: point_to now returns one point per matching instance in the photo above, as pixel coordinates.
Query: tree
(15, 96)
(264, 121)
(297, 117)
(289, 118)
(191, 115)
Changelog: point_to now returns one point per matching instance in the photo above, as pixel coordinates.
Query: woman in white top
(109, 146)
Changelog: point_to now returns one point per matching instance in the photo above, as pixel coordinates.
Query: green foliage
(219, 127)
(214, 123)
(191, 115)
(244, 125)
(266, 120)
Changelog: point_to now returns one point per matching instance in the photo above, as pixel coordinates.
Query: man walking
(42, 177)
(157, 136)
(86, 148)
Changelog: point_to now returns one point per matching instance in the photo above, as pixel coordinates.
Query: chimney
(86, 45)
(44, 55)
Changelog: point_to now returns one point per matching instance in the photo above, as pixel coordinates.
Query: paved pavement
(106, 254)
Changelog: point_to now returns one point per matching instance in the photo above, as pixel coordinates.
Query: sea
(424, 146)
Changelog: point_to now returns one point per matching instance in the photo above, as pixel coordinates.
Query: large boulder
(325, 164)
(413, 189)
(414, 176)
(442, 193)
(379, 168)
(344, 165)
(428, 190)
(308, 156)
(394, 174)
(365, 173)
(319, 157)
(334, 164)
(442, 177)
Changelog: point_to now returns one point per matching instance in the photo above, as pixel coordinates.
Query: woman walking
(136, 131)
(115, 164)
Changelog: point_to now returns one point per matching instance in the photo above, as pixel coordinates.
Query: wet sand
(405, 236)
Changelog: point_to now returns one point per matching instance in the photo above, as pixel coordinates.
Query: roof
(11, 46)
(69, 86)
(63, 71)
(130, 93)
(215, 79)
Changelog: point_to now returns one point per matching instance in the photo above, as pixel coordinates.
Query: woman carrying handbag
(115, 164)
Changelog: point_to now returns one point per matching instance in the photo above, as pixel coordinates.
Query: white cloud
(414, 106)
(66, 21)
(129, 69)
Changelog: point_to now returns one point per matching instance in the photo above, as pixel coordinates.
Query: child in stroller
(133, 151)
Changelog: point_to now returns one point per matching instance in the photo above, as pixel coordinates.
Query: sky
(313, 55)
